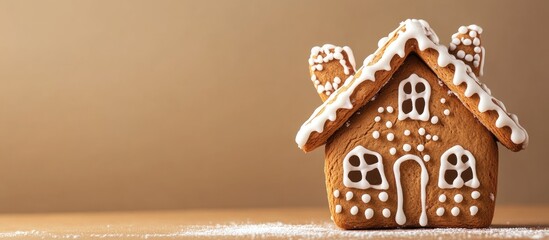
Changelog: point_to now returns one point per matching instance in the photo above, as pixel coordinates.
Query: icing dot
(389, 124)
(420, 147)
(407, 132)
(477, 49)
(386, 212)
(349, 195)
(475, 194)
(390, 137)
(377, 118)
(336, 193)
(452, 46)
(456, 41)
(460, 54)
(446, 112)
(392, 151)
(354, 210)
(406, 147)
(442, 198)
(492, 196)
(455, 211)
(380, 110)
(426, 158)
(462, 30)
(383, 196)
(390, 109)
(338, 209)
(473, 34)
(468, 57)
(435, 138)
(458, 198)
(369, 213)
(375, 134)
(467, 42)
(421, 131)
(442, 100)
(366, 198)
(440, 211)
(428, 137)
(473, 210)
(337, 80)
(434, 120)
(476, 41)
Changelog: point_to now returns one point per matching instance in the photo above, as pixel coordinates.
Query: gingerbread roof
(412, 36)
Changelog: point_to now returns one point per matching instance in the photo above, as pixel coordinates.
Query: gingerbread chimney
(330, 66)
(467, 45)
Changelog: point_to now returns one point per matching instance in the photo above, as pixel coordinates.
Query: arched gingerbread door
(400, 216)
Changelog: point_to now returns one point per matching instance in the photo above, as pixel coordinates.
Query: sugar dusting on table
(295, 231)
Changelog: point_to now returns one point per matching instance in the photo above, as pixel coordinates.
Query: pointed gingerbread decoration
(467, 46)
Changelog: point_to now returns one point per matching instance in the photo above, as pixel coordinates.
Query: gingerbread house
(410, 137)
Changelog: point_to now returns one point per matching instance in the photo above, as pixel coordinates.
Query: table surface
(296, 223)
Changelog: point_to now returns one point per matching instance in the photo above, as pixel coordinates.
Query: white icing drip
(354, 210)
(383, 196)
(415, 29)
(366, 198)
(458, 198)
(475, 194)
(473, 210)
(369, 213)
(363, 167)
(400, 217)
(338, 209)
(386, 212)
(349, 195)
(336, 193)
(440, 211)
(455, 211)
(459, 166)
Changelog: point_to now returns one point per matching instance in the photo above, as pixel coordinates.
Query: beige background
(120, 105)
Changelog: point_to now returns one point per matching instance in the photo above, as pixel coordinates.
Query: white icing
(366, 198)
(414, 80)
(360, 151)
(442, 198)
(458, 198)
(406, 147)
(440, 211)
(349, 195)
(420, 147)
(443, 100)
(354, 210)
(455, 211)
(400, 217)
(375, 134)
(473, 210)
(492, 197)
(380, 110)
(386, 212)
(338, 209)
(434, 120)
(369, 213)
(472, 34)
(377, 119)
(435, 138)
(446, 112)
(418, 30)
(421, 131)
(390, 137)
(426, 158)
(460, 167)
(406, 132)
(383, 196)
(332, 52)
(462, 30)
(389, 124)
(336, 193)
(428, 136)
(390, 109)
(475, 194)
(392, 151)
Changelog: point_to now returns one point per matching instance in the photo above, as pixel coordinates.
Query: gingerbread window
(413, 98)
(457, 168)
(363, 169)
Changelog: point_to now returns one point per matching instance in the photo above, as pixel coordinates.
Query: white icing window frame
(363, 167)
(460, 167)
(402, 96)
